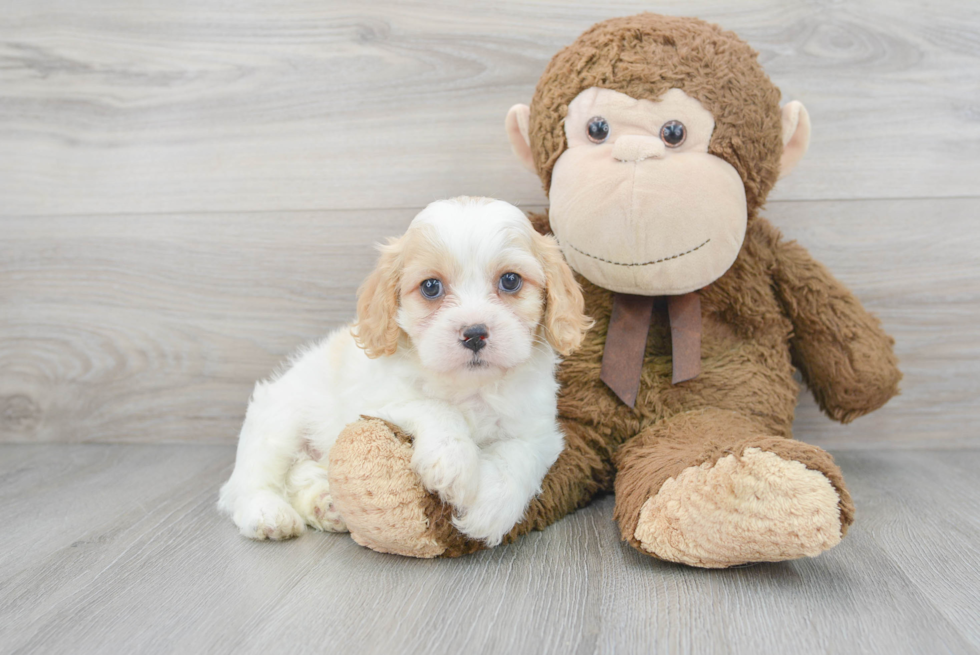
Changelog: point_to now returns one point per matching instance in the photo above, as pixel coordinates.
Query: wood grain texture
(167, 321)
(154, 328)
(119, 548)
(111, 106)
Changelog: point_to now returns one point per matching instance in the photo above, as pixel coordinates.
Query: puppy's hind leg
(270, 442)
(308, 489)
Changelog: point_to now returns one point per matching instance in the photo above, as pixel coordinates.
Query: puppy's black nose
(475, 337)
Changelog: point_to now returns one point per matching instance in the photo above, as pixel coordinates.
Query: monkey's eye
(431, 288)
(673, 133)
(598, 129)
(510, 282)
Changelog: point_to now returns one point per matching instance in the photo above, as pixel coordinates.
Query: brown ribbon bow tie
(626, 339)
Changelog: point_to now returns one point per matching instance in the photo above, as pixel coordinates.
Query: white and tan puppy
(458, 334)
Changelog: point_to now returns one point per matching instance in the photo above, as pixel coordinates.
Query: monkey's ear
(796, 136)
(518, 119)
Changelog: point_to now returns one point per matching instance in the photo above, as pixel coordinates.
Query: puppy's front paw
(265, 515)
(491, 517)
(499, 506)
(449, 467)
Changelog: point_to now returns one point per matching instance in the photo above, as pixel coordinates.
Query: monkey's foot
(381, 499)
(710, 488)
(757, 507)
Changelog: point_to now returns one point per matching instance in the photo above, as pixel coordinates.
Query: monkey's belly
(753, 377)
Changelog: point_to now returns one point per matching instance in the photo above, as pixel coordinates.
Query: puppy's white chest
(486, 423)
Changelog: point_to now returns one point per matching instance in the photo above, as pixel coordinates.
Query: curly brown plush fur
(705, 472)
(646, 55)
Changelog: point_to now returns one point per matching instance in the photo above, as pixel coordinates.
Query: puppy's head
(473, 287)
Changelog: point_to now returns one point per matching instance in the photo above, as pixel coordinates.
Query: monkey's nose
(636, 147)
(475, 337)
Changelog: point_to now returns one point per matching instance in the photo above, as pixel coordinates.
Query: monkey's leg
(387, 509)
(710, 488)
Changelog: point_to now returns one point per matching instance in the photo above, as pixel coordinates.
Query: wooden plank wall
(189, 191)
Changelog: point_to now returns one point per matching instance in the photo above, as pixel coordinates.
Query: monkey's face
(637, 203)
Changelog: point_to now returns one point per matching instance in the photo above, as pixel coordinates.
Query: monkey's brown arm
(845, 357)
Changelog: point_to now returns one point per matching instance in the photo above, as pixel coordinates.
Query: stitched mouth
(649, 263)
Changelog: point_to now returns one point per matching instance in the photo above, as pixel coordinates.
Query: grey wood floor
(190, 191)
(119, 548)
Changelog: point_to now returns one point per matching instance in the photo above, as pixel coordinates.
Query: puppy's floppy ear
(565, 322)
(376, 329)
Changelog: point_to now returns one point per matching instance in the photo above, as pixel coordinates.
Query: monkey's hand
(381, 498)
(845, 357)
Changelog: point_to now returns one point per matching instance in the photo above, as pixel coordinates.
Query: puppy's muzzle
(475, 337)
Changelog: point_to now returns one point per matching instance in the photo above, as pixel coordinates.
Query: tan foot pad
(378, 494)
(757, 508)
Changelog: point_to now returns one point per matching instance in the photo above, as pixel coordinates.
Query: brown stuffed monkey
(658, 140)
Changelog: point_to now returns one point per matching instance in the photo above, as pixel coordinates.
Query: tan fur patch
(756, 508)
(376, 330)
(527, 304)
(565, 325)
(426, 256)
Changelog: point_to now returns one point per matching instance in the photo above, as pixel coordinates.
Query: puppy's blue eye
(431, 288)
(510, 282)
